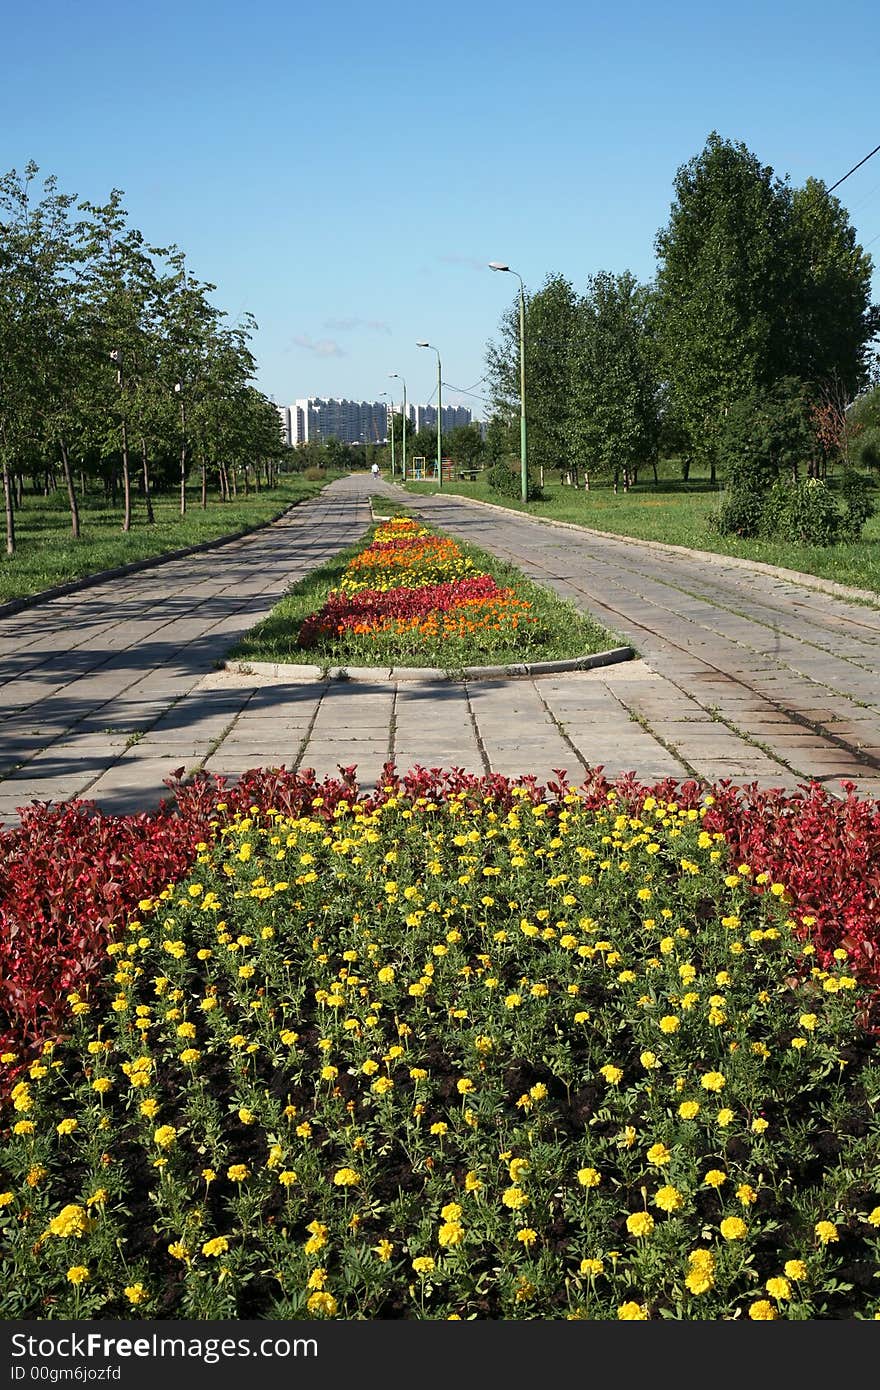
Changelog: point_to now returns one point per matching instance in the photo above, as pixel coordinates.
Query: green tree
(722, 287)
(465, 445)
(614, 422)
(550, 321)
(831, 287)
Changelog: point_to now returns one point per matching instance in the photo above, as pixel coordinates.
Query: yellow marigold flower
(36, 1174)
(472, 1183)
(7, 1197)
(746, 1194)
(640, 1223)
(778, 1288)
(218, 1245)
(826, 1232)
(323, 1303)
(795, 1269)
(23, 1127)
(135, 1293)
(589, 1177)
(733, 1228)
(72, 1220)
(724, 1117)
(465, 1086)
(632, 1312)
(514, 1197)
(423, 1264)
(527, 1235)
(77, 1274)
(669, 1023)
(689, 1109)
(591, 1267)
(287, 1178)
(658, 1154)
(699, 1280)
(237, 1172)
(450, 1233)
(759, 1125)
(517, 1167)
(611, 1073)
(440, 1127)
(346, 1177)
(715, 1178)
(384, 1250)
(712, 1081)
(668, 1198)
(67, 1126)
(762, 1311)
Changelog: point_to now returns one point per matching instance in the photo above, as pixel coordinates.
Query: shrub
(858, 505)
(804, 511)
(507, 481)
(314, 474)
(740, 513)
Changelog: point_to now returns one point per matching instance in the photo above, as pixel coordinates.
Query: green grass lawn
(679, 514)
(46, 554)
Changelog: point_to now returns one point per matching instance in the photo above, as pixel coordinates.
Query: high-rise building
(284, 416)
(353, 422)
(452, 417)
(362, 422)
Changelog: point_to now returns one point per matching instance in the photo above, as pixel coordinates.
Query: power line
(852, 170)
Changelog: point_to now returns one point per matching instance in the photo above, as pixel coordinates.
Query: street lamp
(439, 407)
(390, 400)
(403, 466)
(524, 471)
(178, 390)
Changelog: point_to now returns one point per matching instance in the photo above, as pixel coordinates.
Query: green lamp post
(439, 409)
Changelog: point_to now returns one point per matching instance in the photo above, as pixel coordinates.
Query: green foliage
(804, 510)
(506, 480)
(768, 431)
(755, 283)
(615, 423)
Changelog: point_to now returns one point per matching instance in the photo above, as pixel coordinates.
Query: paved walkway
(742, 674)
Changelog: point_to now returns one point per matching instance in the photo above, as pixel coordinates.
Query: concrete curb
(712, 557)
(88, 581)
(306, 673)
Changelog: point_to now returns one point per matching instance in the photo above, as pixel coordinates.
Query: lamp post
(439, 408)
(403, 463)
(524, 470)
(390, 401)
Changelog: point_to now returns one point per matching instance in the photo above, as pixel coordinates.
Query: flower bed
(411, 596)
(464, 1048)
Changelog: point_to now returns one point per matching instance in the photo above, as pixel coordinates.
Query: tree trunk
(18, 489)
(654, 466)
(232, 473)
(71, 490)
(257, 477)
(204, 485)
(7, 499)
(586, 480)
(151, 520)
(126, 481)
(712, 471)
(82, 483)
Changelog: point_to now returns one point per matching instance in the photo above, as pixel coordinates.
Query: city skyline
(360, 422)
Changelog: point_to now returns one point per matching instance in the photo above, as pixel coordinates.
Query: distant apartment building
(318, 419)
(452, 417)
(284, 417)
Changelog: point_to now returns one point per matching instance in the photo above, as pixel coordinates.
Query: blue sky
(345, 171)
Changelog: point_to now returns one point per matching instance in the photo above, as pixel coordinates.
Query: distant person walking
(375, 470)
